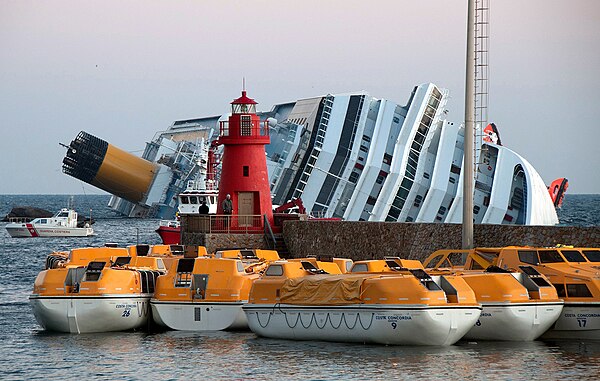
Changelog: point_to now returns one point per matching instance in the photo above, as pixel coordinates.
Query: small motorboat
(296, 301)
(206, 293)
(518, 305)
(573, 271)
(62, 224)
(97, 289)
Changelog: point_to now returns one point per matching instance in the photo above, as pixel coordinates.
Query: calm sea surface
(27, 352)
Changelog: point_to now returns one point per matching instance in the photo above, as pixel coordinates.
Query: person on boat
(203, 208)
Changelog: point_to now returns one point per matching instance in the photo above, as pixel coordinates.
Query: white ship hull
(514, 322)
(187, 316)
(577, 321)
(28, 230)
(394, 325)
(81, 314)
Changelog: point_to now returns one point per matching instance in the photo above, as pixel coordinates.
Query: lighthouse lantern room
(244, 174)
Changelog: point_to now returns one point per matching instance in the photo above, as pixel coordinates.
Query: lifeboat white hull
(577, 321)
(514, 322)
(29, 230)
(184, 316)
(83, 314)
(380, 324)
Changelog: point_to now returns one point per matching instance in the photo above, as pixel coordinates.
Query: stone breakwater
(214, 242)
(374, 240)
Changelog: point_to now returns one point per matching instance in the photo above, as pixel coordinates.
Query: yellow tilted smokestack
(109, 168)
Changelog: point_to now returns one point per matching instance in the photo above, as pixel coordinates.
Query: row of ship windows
(387, 158)
(418, 142)
(197, 199)
(314, 155)
(433, 102)
(401, 199)
(413, 159)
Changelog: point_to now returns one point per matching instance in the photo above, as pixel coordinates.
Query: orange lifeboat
(297, 301)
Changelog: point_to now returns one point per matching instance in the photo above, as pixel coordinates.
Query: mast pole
(467, 218)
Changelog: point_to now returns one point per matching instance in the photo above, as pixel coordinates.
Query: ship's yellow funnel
(109, 168)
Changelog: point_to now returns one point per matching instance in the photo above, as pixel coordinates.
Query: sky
(123, 70)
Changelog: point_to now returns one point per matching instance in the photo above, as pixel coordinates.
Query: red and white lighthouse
(244, 173)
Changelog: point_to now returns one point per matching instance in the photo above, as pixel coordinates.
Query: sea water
(28, 352)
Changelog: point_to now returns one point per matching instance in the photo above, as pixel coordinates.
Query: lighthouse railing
(255, 129)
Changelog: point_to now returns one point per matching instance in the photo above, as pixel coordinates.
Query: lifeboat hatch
(533, 280)
(199, 283)
(312, 269)
(248, 254)
(142, 250)
(122, 261)
(185, 266)
(449, 289)
(177, 249)
(93, 271)
(73, 278)
(393, 265)
(425, 279)
(324, 258)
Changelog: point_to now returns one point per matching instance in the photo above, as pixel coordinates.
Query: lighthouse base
(217, 241)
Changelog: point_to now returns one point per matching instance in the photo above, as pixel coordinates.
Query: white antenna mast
(468, 170)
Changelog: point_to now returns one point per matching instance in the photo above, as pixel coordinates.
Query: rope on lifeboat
(261, 324)
(327, 318)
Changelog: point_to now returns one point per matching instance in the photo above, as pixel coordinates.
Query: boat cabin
(64, 217)
(190, 200)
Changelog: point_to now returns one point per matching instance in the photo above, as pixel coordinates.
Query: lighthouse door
(245, 208)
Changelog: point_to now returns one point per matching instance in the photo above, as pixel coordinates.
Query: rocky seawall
(370, 240)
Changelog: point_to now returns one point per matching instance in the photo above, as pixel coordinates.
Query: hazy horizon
(124, 70)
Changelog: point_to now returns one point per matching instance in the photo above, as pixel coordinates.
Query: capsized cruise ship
(350, 156)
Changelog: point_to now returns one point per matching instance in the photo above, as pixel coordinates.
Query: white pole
(467, 219)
